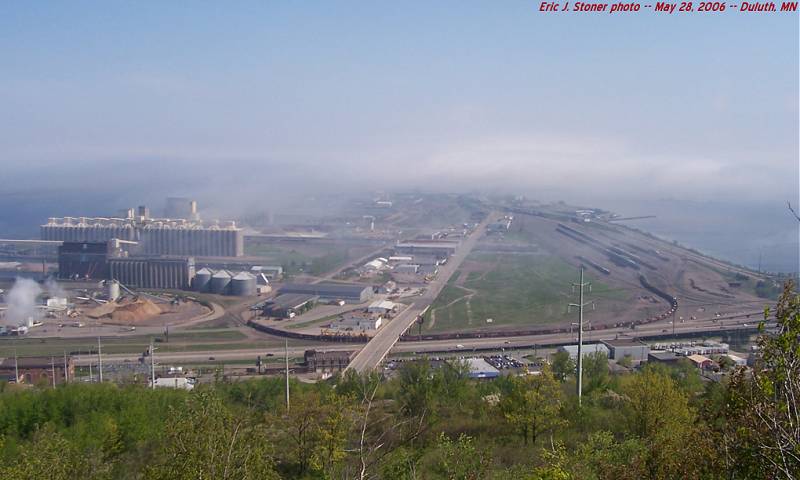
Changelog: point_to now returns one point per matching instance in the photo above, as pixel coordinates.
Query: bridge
(376, 349)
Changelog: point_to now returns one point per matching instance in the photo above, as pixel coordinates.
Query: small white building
(184, 383)
(374, 265)
(407, 268)
(400, 259)
(382, 307)
(358, 322)
(588, 349)
(739, 361)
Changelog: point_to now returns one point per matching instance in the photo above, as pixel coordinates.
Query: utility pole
(580, 285)
(91, 375)
(53, 370)
(66, 372)
(99, 360)
(152, 366)
(286, 355)
(16, 367)
(673, 324)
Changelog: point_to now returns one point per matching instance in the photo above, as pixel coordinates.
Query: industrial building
(156, 236)
(407, 268)
(349, 292)
(323, 362)
(358, 322)
(289, 304)
(84, 260)
(384, 307)
(272, 272)
(620, 348)
(702, 362)
(663, 356)
(439, 248)
(480, 368)
(588, 349)
(153, 272)
(33, 370)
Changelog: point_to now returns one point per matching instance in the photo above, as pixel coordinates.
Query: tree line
(425, 422)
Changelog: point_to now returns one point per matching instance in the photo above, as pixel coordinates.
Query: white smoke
(54, 289)
(21, 301)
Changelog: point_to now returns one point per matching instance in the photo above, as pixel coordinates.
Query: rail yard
(393, 280)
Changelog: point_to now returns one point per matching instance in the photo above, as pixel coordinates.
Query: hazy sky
(454, 94)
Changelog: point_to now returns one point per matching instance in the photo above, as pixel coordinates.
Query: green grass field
(512, 290)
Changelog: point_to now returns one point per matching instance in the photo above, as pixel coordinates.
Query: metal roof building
(349, 292)
(621, 347)
(480, 368)
(588, 349)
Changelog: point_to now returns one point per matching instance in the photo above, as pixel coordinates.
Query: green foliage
(50, 456)
(595, 372)
(427, 421)
(461, 459)
(626, 361)
(563, 365)
(762, 432)
(532, 405)
(205, 439)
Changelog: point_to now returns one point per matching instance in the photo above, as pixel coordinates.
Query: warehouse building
(438, 248)
(588, 349)
(324, 362)
(620, 348)
(272, 272)
(383, 307)
(480, 368)
(154, 272)
(358, 322)
(349, 292)
(288, 305)
(407, 268)
(37, 370)
(663, 356)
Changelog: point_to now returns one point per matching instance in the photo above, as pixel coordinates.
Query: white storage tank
(220, 282)
(243, 284)
(202, 280)
(113, 290)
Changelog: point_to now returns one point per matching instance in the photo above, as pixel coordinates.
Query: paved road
(709, 326)
(375, 351)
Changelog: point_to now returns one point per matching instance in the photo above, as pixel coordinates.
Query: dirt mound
(131, 311)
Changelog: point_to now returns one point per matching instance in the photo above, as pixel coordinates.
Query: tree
(206, 440)
(461, 459)
(601, 457)
(417, 390)
(49, 456)
(336, 422)
(658, 413)
(302, 427)
(563, 365)
(763, 433)
(595, 371)
(532, 405)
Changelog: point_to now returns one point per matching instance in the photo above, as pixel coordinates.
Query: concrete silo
(220, 282)
(243, 284)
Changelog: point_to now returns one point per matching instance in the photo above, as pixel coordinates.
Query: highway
(708, 327)
(375, 351)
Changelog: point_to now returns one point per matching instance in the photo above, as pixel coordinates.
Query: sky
(265, 97)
